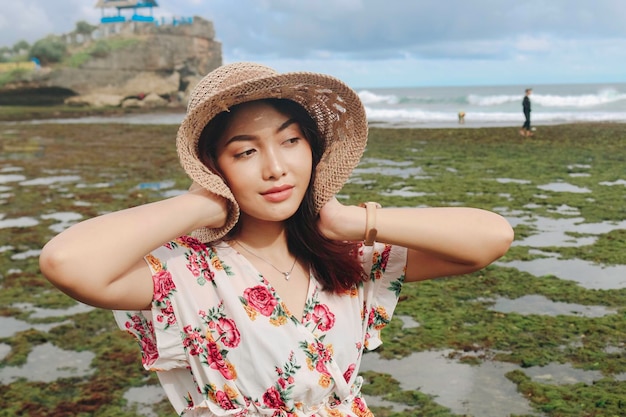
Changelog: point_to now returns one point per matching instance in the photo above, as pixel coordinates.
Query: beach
(405, 107)
(539, 333)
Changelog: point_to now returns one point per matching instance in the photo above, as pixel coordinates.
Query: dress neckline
(259, 277)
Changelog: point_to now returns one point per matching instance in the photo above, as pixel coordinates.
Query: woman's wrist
(205, 209)
(370, 222)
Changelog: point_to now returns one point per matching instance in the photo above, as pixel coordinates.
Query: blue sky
(388, 43)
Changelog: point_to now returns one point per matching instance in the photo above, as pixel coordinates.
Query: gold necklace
(287, 274)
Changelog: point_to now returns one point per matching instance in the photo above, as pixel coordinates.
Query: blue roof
(125, 4)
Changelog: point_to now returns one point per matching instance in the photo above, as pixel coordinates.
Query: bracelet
(370, 222)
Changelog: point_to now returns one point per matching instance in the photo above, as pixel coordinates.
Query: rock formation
(156, 62)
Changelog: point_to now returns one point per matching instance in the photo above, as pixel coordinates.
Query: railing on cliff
(174, 21)
(126, 26)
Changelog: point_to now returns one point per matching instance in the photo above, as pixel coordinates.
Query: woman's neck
(262, 235)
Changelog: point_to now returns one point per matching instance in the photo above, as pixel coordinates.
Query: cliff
(142, 64)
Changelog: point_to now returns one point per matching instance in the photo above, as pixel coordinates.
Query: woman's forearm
(455, 234)
(90, 256)
(459, 235)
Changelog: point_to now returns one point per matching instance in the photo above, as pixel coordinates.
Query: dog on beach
(461, 117)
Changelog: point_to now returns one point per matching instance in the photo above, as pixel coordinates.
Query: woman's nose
(275, 165)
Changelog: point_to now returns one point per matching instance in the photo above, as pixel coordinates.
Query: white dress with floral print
(224, 344)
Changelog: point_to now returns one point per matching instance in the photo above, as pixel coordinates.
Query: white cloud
(419, 42)
(20, 18)
(531, 43)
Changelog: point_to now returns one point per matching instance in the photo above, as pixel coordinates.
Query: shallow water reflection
(52, 180)
(65, 220)
(43, 313)
(563, 187)
(481, 390)
(47, 363)
(616, 182)
(587, 274)
(389, 168)
(557, 232)
(143, 397)
(538, 304)
(474, 390)
(17, 222)
(9, 326)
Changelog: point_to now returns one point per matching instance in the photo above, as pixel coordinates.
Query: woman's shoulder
(186, 249)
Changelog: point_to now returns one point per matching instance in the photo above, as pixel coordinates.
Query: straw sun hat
(334, 106)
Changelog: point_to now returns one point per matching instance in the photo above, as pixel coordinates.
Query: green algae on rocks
(83, 170)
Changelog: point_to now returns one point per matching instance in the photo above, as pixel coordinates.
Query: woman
(256, 292)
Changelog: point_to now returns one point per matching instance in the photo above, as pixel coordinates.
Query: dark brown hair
(334, 263)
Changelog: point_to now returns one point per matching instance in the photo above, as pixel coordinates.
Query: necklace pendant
(287, 275)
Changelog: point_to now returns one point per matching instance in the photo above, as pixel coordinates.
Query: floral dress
(224, 344)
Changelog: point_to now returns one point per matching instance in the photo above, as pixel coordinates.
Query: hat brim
(335, 107)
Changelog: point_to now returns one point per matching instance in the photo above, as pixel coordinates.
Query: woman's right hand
(213, 209)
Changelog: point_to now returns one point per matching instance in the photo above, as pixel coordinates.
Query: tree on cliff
(48, 50)
(5, 53)
(21, 46)
(85, 29)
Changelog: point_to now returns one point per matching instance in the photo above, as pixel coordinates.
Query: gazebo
(125, 5)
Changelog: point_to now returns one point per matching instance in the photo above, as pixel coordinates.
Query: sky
(388, 43)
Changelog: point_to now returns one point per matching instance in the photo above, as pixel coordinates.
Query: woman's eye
(247, 152)
(292, 140)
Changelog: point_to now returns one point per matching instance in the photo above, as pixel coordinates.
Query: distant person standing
(525, 130)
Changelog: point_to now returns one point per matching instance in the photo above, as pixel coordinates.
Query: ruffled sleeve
(386, 265)
(156, 330)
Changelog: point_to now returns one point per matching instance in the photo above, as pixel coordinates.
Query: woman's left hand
(340, 222)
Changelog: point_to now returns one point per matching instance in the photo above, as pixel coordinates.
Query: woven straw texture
(334, 106)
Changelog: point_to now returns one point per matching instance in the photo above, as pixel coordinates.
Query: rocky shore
(144, 65)
(508, 340)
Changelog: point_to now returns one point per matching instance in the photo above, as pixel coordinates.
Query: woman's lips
(278, 194)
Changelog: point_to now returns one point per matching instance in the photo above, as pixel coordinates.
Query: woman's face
(265, 160)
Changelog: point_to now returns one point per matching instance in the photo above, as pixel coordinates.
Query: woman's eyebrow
(239, 138)
(286, 125)
(244, 138)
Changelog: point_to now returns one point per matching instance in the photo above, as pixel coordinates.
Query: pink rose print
(136, 324)
(192, 243)
(323, 358)
(384, 257)
(193, 341)
(208, 274)
(371, 317)
(216, 361)
(222, 399)
(272, 398)
(149, 350)
(260, 299)
(282, 383)
(168, 312)
(324, 318)
(163, 285)
(228, 332)
(348, 374)
(193, 265)
(360, 408)
(321, 368)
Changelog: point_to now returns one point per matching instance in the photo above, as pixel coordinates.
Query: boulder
(154, 100)
(143, 83)
(132, 103)
(95, 100)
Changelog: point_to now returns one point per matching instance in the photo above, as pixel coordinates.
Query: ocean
(484, 106)
(494, 105)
